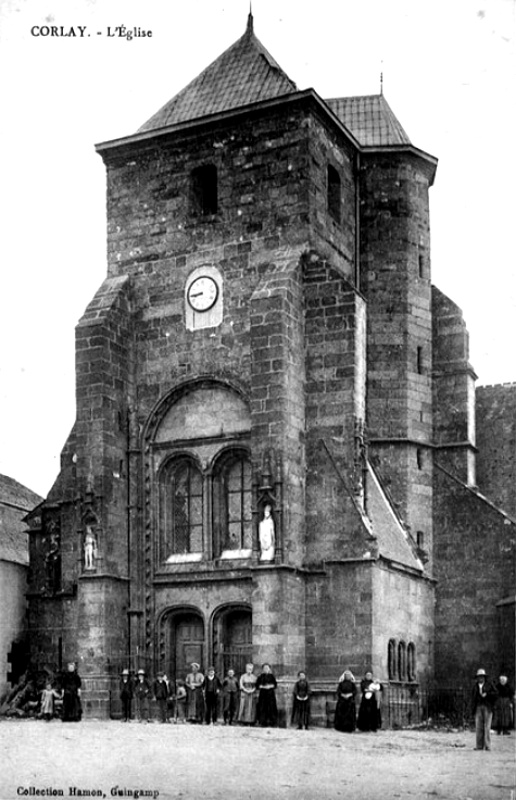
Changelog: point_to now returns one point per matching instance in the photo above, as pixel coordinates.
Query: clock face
(202, 293)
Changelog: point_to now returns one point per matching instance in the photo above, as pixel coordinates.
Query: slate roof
(393, 539)
(370, 119)
(245, 73)
(15, 502)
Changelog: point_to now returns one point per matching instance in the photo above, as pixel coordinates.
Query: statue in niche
(267, 535)
(90, 548)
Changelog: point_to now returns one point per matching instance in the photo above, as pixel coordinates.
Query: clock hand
(197, 294)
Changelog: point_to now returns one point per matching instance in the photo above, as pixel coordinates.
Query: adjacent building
(16, 501)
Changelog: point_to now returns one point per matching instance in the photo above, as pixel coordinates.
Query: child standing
(180, 701)
(48, 695)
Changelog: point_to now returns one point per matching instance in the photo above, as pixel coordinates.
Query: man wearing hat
(126, 694)
(482, 701)
(141, 693)
(195, 698)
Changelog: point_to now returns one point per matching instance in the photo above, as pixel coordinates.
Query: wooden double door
(187, 645)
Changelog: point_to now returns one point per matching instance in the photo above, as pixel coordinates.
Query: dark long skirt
(301, 713)
(368, 717)
(72, 711)
(503, 714)
(345, 715)
(266, 709)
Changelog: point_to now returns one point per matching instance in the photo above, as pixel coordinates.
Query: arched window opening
(181, 506)
(411, 661)
(334, 193)
(232, 518)
(391, 659)
(402, 661)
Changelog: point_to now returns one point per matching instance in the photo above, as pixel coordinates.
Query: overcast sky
(449, 75)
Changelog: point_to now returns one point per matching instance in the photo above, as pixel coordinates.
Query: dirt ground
(115, 759)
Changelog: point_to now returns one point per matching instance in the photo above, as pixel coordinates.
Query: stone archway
(232, 638)
(182, 641)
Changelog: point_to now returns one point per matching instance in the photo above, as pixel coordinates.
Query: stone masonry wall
(404, 612)
(474, 548)
(453, 389)
(335, 392)
(496, 442)
(256, 240)
(395, 279)
(339, 619)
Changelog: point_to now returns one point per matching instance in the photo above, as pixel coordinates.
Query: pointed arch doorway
(233, 639)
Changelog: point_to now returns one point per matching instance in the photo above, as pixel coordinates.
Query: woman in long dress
(71, 685)
(195, 698)
(301, 706)
(345, 713)
(247, 710)
(503, 710)
(368, 713)
(266, 708)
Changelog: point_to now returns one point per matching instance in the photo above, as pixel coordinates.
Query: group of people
(251, 700)
(66, 696)
(201, 698)
(369, 712)
(491, 703)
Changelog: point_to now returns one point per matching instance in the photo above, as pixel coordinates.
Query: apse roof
(245, 73)
(370, 119)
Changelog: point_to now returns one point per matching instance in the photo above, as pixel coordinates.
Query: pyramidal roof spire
(245, 73)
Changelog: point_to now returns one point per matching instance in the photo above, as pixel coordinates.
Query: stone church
(267, 357)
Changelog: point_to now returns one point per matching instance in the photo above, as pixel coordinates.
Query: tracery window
(181, 507)
(232, 519)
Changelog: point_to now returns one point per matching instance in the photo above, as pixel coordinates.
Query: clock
(203, 293)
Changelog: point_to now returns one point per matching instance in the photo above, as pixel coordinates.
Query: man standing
(212, 687)
(126, 694)
(141, 694)
(161, 694)
(482, 701)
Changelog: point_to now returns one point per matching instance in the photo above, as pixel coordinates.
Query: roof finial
(250, 19)
(381, 78)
